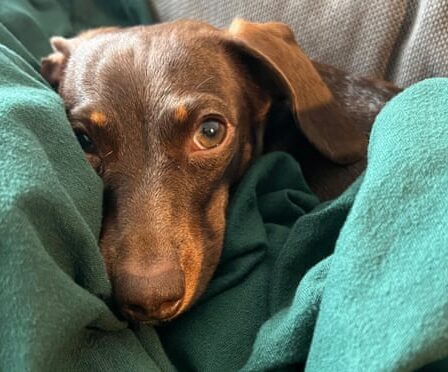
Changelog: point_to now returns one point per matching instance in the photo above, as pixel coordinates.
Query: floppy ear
(53, 66)
(320, 118)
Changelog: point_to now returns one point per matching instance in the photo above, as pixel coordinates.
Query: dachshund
(171, 116)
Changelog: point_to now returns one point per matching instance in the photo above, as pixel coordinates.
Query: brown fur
(141, 94)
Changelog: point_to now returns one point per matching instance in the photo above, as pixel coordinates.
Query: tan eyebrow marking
(98, 118)
(181, 113)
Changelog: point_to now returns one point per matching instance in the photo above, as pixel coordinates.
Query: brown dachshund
(171, 115)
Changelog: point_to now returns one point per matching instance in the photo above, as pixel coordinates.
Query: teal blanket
(359, 283)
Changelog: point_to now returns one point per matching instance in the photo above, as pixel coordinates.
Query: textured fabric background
(401, 40)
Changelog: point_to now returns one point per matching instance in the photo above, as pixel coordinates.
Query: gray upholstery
(401, 40)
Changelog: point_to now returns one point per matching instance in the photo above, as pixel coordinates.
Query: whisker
(205, 81)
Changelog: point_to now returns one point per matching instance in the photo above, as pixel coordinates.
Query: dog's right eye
(85, 141)
(211, 133)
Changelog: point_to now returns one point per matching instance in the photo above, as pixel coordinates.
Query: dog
(171, 116)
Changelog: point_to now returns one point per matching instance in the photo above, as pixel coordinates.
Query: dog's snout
(154, 295)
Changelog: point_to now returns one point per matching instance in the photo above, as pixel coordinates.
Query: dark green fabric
(283, 296)
(276, 233)
(52, 276)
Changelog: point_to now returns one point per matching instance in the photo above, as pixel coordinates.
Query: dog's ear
(53, 66)
(320, 118)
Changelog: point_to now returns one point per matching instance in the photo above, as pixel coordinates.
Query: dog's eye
(210, 134)
(85, 141)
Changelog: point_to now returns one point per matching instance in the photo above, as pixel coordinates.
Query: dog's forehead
(167, 51)
(183, 59)
(153, 62)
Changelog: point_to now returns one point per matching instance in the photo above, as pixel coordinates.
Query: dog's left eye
(85, 141)
(210, 133)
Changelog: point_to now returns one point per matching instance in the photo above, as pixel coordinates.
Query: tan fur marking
(181, 113)
(98, 118)
(191, 263)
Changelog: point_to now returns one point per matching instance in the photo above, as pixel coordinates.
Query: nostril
(136, 312)
(136, 309)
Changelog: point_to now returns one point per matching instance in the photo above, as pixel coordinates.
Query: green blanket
(300, 284)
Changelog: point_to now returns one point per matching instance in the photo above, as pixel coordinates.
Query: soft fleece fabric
(300, 284)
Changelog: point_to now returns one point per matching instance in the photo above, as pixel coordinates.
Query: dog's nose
(156, 295)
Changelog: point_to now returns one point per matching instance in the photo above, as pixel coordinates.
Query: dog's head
(170, 116)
